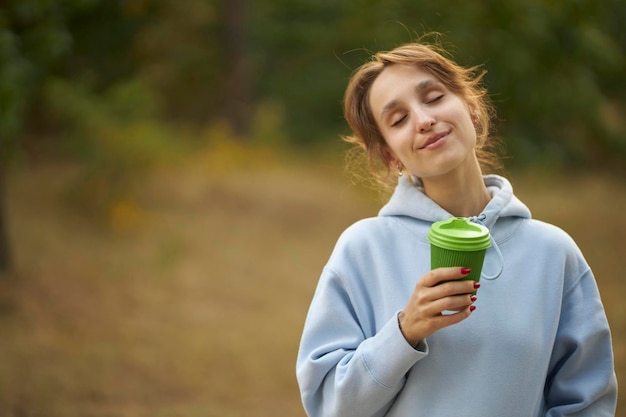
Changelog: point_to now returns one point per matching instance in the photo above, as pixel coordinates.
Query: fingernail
(472, 308)
(473, 298)
(476, 285)
(465, 271)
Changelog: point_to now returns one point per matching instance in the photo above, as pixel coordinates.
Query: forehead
(397, 82)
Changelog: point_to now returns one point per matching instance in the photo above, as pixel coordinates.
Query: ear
(473, 111)
(389, 157)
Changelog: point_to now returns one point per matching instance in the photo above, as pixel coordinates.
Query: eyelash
(397, 122)
(439, 97)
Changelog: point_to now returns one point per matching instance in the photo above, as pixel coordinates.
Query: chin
(438, 170)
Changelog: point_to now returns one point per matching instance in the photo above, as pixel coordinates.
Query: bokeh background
(172, 180)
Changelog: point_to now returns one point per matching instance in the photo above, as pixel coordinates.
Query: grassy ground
(192, 302)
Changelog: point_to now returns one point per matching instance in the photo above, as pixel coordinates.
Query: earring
(400, 173)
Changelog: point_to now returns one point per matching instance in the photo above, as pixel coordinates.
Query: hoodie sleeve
(341, 370)
(582, 380)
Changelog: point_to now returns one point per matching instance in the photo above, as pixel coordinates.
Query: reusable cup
(459, 242)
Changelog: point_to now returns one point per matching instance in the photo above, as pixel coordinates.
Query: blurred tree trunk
(236, 93)
(5, 253)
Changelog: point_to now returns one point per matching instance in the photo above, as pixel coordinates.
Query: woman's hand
(437, 291)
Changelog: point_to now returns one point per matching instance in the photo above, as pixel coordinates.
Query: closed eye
(398, 122)
(436, 99)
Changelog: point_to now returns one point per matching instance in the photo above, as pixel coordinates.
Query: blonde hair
(464, 82)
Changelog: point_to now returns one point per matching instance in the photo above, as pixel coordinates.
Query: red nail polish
(473, 298)
(476, 285)
(465, 271)
(472, 308)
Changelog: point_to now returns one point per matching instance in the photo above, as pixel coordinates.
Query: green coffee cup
(459, 242)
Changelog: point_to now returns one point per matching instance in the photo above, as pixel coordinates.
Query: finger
(438, 275)
(450, 319)
(450, 288)
(454, 303)
(472, 300)
(416, 327)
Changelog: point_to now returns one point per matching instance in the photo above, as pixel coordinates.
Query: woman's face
(428, 129)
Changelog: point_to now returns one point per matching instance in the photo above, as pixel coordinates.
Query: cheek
(392, 140)
(459, 111)
(466, 124)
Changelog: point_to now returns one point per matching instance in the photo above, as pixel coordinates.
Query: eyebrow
(422, 86)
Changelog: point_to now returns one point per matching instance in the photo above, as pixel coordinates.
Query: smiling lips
(433, 139)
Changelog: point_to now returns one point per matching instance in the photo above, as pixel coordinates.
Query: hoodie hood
(502, 215)
(409, 200)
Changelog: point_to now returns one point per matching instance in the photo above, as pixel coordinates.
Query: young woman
(385, 336)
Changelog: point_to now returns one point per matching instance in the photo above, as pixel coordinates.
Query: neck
(461, 193)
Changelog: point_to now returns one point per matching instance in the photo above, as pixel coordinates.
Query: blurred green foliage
(115, 133)
(555, 67)
(33, 36)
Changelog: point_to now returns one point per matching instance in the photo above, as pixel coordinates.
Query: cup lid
(459, 233)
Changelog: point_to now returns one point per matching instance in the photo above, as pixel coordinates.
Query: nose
(424, 121)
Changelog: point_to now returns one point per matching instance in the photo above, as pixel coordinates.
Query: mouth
(433, 139)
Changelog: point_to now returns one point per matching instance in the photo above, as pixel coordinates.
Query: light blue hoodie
(538, 343)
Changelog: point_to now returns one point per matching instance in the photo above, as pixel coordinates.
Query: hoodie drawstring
(480, 220)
